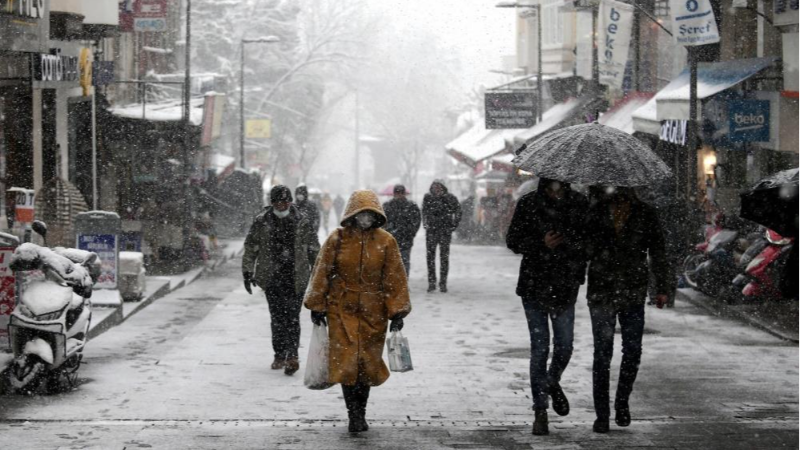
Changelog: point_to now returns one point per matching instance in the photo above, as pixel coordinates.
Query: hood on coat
(301, 190)
(441, 184)
(364, 201)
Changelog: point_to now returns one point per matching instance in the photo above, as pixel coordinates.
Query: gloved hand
(661, 300)
(318, 318)
(397, 323)
(248, 280)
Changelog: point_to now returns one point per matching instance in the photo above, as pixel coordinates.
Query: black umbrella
(592, 154)
(773, 203)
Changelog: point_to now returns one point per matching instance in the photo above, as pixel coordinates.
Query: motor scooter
(762, 274)
(713, 265)
(48, 328)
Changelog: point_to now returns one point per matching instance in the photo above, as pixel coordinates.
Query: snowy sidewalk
(192, 371)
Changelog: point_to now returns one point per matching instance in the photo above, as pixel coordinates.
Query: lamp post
(264, 40)
(538, 10)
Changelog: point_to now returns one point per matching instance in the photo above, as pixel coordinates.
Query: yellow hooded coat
(360, 290)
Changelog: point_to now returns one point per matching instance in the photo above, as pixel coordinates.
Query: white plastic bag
(316, 376)
(399, 353)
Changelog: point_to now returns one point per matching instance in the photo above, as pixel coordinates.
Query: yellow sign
(86, 70)
(258, 129)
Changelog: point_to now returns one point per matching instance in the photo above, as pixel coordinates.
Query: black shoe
(623, 416)
(540, 423)
(443, 288)
(431, 288)
(357, 423)
(600, 425)
(560, 402)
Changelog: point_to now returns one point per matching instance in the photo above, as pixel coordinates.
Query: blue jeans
(631, 322)
(563, 332)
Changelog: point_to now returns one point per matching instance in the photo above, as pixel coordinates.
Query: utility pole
(595, 66)
(539, 62)
(187, 140)
(692, 125)
(636, 50)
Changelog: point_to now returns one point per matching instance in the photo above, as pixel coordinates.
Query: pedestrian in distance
(279, 251)
(358, 286)
(623, 234)
(547, 228)
(325, 205)
(338, 207)
(307, 207)
(403, 219)
(441, 214)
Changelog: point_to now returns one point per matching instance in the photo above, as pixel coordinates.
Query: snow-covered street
(192, 371)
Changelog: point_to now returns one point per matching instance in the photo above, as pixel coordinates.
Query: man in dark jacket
(279, 252)
(441, 215)
(402, 221)
(623, 233)
(307, 207)
(547, 229)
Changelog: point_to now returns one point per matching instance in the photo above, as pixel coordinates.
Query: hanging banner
(614, 25)
(693, 22)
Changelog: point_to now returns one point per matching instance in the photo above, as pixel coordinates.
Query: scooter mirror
(40, 228)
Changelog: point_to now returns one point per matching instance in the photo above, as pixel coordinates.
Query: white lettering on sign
(694, 22)
(614, 27)
(55, 67)
(746, 122)
(674, 131)
(25, 8)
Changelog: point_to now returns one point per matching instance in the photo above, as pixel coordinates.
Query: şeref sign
(510, 110)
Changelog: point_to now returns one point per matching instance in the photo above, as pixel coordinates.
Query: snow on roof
(552, 117)
(478, 144)
(619, 116)
(162, 112)
(645, 118)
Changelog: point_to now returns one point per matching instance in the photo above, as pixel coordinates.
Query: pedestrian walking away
(358, 286)
(325, 205)
(307, 207)
(338, 207)
(403, 220)
(279, 252)
(547, 228)
(441, 214)
(623, 233)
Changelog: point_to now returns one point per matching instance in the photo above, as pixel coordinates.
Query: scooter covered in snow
(762, 275)
(49, 326)
(714, 266)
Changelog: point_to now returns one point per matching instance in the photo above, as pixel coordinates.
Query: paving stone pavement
(192, 371)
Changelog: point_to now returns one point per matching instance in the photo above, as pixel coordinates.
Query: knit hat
(280, 193)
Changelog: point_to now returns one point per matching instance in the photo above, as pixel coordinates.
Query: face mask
(280, 214)
(365, 220)
(301, 197)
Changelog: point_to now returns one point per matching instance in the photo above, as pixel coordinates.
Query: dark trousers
(631, 321)
(442, 240)
(284, 312)
(563, 333)
(355, 398)
(405, 255)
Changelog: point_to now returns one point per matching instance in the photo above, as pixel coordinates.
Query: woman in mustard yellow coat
(359, 284)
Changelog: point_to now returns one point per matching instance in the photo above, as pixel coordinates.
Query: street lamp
(538, 9)
(262, 40)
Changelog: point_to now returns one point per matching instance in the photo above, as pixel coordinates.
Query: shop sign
(23, 204)
(150, 8)
(105, 245)
(510, 110)
(748, 120)
(674, 131)
(55, 67)
(786, 12)
(693, 22)
(146, 24)
(33, 9)
(258, 129)
(614, 25)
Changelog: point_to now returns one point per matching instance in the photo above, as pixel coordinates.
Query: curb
(722, 309)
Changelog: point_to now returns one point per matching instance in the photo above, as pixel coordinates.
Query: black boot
(355, 411)
(540, 422)
(560, 402)
(363, 399)
(601, 425)
(431, 287)
(623, 413)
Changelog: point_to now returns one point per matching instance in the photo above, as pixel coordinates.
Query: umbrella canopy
(773, 203)
(592, 154)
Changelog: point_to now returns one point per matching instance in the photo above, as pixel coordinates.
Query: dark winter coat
(618, 263)
(261, 248)
(549, 278)
(440, 213)
(403, 219)
(307, 207)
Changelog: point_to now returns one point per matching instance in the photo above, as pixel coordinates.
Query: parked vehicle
(761, 279)
(713, 265)
(50, 324)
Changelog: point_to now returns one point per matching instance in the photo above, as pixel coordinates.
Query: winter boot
(363, 398)
(600, 425)
(623, 414)
(292, 365)
(540, 422)
(355, 410)
(431, 287)
(443, 287)
(278, 363)
(560, 402)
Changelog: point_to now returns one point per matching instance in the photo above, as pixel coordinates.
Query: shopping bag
(399, 353)
(316, 376)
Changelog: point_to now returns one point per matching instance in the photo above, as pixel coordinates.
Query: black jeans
(631, 322)
(442, 240)
(539, 328)
(405, 254)
(284, 312)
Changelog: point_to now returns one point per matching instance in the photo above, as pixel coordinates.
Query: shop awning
(478, 144)
(672, 102)
(645, 119)
(620, 115)
(551, 119)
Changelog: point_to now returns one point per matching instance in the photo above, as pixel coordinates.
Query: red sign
(151, 9)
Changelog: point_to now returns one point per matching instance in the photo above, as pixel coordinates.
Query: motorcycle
(48, 328)
(761, 277)
(713, 267)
